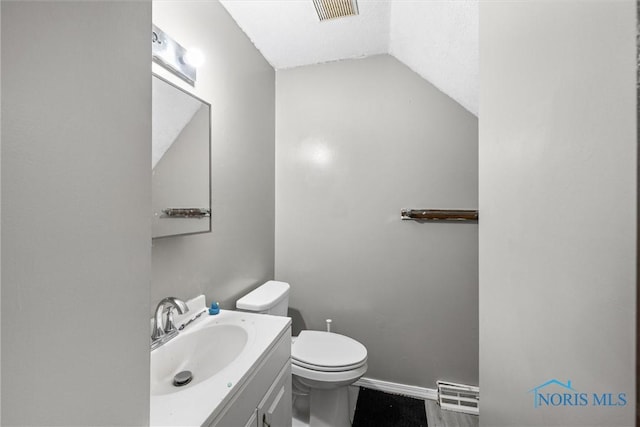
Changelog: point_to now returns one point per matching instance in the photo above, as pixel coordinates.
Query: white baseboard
(395, 388)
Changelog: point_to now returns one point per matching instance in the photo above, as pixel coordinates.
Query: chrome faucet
(164, 330)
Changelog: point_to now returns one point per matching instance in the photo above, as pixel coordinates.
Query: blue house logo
(553, 399)
(554, 393)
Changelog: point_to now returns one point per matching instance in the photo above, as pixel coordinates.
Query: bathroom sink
(203, 352)
(222, 352)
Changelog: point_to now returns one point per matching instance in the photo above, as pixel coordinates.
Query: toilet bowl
(327, 360)
(326, 363)
(323, 364)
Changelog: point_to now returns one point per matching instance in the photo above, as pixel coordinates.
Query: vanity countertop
(197, 403)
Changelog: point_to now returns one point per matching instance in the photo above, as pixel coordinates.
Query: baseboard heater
(459, 397)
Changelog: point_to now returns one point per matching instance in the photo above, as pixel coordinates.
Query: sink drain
(182, 378)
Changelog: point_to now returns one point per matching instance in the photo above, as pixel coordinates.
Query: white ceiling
(438, 39)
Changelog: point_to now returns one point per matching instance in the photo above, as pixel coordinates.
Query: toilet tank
(269, 298)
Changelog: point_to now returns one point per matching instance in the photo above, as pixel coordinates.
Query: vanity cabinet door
(275, 408)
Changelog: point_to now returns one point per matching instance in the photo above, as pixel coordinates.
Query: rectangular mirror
(181, 160)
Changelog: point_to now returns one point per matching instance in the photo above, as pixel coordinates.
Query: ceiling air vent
(330, 9)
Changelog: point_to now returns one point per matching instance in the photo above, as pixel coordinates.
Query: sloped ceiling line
(438, 39)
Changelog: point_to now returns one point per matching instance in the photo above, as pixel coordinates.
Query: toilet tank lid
(264, 297)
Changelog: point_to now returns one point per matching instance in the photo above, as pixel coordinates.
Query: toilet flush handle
(329, 325)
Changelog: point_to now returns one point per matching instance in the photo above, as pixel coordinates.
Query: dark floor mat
(379, 409)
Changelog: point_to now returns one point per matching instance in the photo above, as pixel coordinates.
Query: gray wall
(356, 141)
(0, 224)
(76, 135)
(558, 165)
(239, 84)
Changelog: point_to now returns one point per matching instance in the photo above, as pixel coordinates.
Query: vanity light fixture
(330, 9)
(172, 56)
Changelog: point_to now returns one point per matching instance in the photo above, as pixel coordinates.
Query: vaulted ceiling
(438, 39)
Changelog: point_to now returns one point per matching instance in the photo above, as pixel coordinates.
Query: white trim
(395, 388)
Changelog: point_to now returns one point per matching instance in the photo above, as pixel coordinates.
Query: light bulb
(194, 57)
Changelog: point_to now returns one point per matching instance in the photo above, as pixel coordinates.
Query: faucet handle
(160, 327)
(173, 303)
(168, 321)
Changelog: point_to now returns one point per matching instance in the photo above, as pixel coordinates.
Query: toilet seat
(328, 368)
(327, 352)
(331, 379)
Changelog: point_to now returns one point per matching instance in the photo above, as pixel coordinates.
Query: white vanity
(241, 372)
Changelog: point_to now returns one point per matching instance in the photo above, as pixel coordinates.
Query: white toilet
(323, 364)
